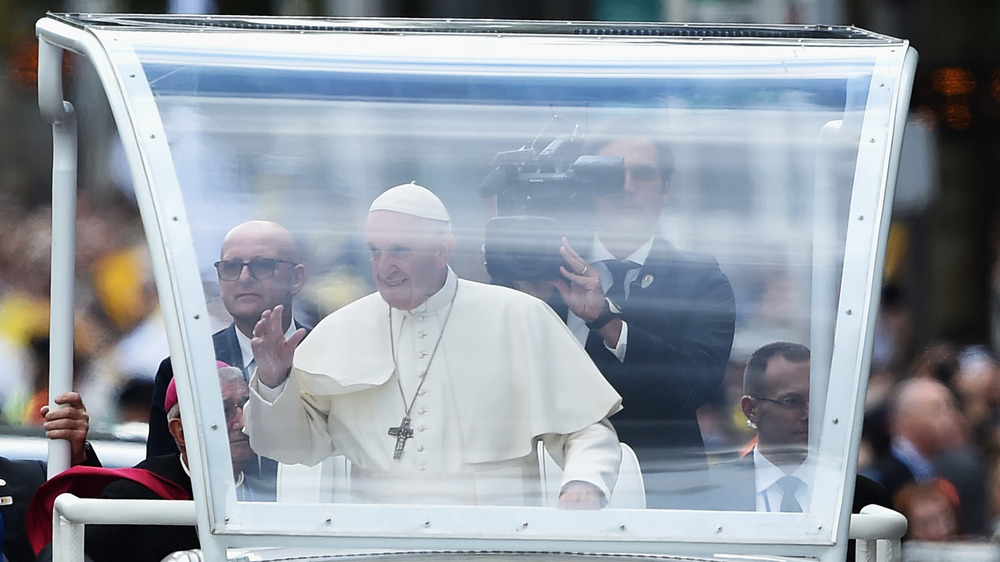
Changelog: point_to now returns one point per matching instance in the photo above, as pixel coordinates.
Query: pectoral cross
(402, 432)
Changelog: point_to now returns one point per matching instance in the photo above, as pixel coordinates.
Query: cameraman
(661, 328)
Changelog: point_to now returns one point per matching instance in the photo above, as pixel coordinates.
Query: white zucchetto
(411, 199)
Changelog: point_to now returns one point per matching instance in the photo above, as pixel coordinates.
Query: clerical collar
(184, 467)
(439, 300)
(599, 252)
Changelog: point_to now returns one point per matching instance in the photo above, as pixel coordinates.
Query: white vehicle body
(786, 141)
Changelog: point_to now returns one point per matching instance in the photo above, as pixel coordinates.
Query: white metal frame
(876, 529)
(221, 521)
(160, 224)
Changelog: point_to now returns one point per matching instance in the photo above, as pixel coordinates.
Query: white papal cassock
(508, 373)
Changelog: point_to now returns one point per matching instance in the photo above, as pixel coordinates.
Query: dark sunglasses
(260, 268)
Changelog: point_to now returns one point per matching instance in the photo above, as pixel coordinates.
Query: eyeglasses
(790, 403)
(229, 408)
(260, 268)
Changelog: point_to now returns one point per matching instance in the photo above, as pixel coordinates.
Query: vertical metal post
(64, 167)
(67, 537)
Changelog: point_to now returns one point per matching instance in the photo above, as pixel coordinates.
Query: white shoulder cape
(517, 371)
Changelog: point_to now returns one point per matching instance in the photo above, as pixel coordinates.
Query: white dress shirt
(766, 476)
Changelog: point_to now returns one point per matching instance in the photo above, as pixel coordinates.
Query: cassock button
(421, 467)
(422, 428)
(422, 354)
(420, 448)
(422, 411)
(421, 334)
(422, 392)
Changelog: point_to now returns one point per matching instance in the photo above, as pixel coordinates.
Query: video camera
(542, 197)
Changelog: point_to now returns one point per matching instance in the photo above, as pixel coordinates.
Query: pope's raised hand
(271, 352)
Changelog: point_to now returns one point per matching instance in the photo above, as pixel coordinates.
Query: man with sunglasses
(259, 268)
(656, 320)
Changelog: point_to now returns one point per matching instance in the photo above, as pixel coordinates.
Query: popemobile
(744, 176)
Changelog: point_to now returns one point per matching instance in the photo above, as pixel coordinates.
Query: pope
(436, 389)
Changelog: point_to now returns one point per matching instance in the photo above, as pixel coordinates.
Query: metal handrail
(70, 513)
(878, 531)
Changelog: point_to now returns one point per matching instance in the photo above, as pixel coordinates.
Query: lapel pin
(647, 280)
(6, 500)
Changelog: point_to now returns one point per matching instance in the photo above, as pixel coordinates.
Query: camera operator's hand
(583, 294)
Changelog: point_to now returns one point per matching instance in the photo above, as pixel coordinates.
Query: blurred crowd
(931, 429)
(119, 335)
(943, 406)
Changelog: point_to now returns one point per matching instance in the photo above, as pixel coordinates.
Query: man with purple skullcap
(106, 543)
(235, 394)
(435, 388)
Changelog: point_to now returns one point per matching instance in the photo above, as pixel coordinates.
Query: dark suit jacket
(141, 543)
(20, 480)
(159, 441)
(736, 490)
(681, 315)
(962, 467)
(968, 471)
(890, 471)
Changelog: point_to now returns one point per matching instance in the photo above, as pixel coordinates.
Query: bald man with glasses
(259, 268)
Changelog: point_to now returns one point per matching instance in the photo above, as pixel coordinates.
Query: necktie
(788, 485)
(248, 371)
(618, 269)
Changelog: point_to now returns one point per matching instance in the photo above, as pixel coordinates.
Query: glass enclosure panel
(722, 176)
